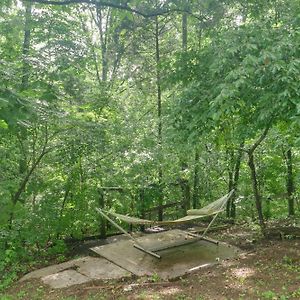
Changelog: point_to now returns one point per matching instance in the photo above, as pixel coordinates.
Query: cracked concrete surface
(77, 271)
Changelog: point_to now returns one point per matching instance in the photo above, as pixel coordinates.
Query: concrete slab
(83, 270)
(100, 268)
(52, 269)
(65, 279)
(175, 262)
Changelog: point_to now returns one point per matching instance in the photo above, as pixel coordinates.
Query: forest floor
(267, 269)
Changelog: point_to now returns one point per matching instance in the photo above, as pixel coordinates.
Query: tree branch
(115, 5)
(261, 138)
(98, 3)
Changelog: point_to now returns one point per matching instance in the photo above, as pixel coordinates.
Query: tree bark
(184, 32)
(196, 194)
(16, 196)
(102, 24)
(67, 192)
(113, 4)
(236, 176)
(186, 195)
(256, 193)
(142, 207)
(159, 118)
(185, 189)
(102, 221)
(184, 183)
(26, 45)
(230, 179)
(290, 183)
(251, 164)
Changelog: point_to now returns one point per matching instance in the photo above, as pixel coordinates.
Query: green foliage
(88, 116)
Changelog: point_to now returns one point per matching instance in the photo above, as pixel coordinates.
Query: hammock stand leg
(211, 222)
(136, 243)
(203, 237)
(137, 246)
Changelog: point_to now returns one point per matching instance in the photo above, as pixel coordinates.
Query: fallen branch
(133, 285)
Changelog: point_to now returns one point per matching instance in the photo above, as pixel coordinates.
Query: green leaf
(3, 124)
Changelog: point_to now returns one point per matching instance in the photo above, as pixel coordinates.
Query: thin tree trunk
(186, 195)
(102, 221)
(103, 24)
(251, 164)
(24, 85)
(185, 189)
(196, 194)
(236, 177)
(142, 208)
(26, 45)
(16, 197)
(290, 183)
(67, 192)
(230, 179)
(256, 193)
(184, 31)
(159, 117)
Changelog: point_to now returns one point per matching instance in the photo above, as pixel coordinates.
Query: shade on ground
(174, 262)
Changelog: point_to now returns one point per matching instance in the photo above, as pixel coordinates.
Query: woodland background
(144, 107)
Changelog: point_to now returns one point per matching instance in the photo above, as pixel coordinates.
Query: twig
(165, 283)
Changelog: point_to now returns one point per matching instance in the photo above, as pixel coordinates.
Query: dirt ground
(266, 270)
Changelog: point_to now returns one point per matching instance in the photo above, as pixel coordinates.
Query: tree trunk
(257, 196)
(103, 27)
(24, 85)
(236, 177)
(142, 208)
(184, 31)
(290, 183)
(186, 195)
(102, 220)
(26, 45)
(185, 189)
(67, 192)
(196, 194)
(252, 167)
(16, 196)
(159, 117)
(230, 181)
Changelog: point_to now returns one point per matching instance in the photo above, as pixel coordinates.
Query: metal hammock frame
(213, 208)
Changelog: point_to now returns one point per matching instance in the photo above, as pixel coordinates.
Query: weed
(296, 293)
(269, 295)
(21, 294)
(182, 297)
(155, 278)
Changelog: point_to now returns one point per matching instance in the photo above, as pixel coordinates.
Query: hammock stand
(213, 208)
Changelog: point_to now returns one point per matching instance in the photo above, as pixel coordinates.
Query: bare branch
(95, 2)
(157, 12)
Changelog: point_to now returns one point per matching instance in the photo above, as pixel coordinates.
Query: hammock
(193, 214)
(213, 208)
